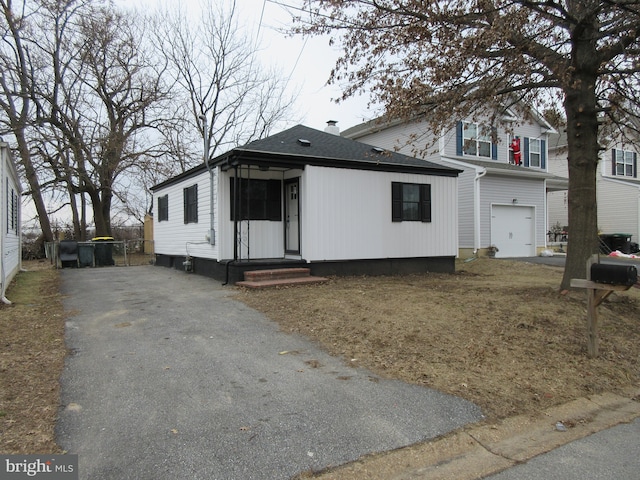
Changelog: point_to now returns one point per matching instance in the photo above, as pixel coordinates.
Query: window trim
(532, 142)
(163, 208)
(398, 202)
(191, 204)
(484, 134)
(629, 159)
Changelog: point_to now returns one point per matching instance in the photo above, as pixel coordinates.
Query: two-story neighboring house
(503, 187)
(617, 188)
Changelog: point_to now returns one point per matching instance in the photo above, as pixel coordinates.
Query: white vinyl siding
(346, 214)
(10, 218)
(619, 207)
(465, 207)
(174, 237)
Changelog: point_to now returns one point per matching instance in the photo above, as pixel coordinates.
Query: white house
(10, 238)
(617, 191)
(304, 196)
(502, 192)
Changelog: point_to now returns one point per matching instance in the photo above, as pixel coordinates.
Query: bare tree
(228, 92)
(94, 93)
(454, 58)
(16, 85)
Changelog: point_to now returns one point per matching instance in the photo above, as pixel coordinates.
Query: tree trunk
(583, 148)
(34, 185)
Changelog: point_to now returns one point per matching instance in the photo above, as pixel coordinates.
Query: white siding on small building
(10, 219)
(174, 237)
(346, 214)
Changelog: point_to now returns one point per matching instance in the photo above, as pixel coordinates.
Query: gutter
(210, 168)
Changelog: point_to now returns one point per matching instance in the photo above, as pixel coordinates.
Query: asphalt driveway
(170, 378)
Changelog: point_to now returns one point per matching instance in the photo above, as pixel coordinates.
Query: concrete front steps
(278, 277)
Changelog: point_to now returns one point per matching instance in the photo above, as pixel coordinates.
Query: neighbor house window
(258, 199)
(534, 153)
(624, 163)
(163, 208)
(410, 202)
(191, 204)
(476, 139)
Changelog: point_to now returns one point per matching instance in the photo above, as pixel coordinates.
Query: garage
(513, 230)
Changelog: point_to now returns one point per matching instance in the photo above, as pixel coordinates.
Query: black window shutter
(613, 161)
(635, 165)
(525, 151)
(185, 202)
(396, 202)
(459, 145)
(543, 154)
(425, 203)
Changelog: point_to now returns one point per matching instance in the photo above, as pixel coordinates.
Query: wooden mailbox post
(620, 280)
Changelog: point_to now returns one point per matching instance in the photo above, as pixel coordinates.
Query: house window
(258, 199)
(534, 153)
(476, 140)
(410, 202)
(163, 208)
(191, 204)
(624, 163)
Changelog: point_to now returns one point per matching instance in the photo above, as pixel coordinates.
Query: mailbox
(625, 275)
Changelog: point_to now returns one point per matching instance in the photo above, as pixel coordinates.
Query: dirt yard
(496, 332)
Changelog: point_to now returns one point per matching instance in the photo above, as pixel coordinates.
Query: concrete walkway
(170, 378)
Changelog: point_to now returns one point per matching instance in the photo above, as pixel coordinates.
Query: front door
(292, 216)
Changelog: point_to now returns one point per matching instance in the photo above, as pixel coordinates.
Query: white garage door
(513, 230)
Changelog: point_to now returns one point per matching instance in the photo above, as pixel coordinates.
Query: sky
(305, 62)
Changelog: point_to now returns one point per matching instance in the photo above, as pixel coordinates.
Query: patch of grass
(32, 355)
(497, 332)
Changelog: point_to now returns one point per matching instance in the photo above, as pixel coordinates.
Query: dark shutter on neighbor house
(494, 145)
(635, 165)
(543, 154)
(525, 151)
(459, 145)
(425, 203)
(396, 202)
(613, 161)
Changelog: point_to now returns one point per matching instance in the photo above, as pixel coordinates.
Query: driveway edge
(484, 449)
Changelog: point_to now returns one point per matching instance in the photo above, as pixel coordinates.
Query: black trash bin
(85, 254)
(103, 251)
(611, 242)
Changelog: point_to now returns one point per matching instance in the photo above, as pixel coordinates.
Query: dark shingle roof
(300, 146)
(306, 146)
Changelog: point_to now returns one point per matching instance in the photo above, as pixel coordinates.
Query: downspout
(212, 232)
(476, 212)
